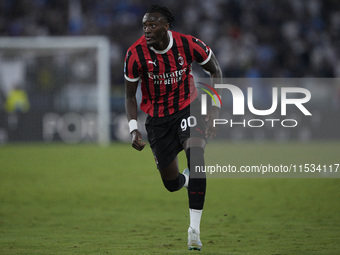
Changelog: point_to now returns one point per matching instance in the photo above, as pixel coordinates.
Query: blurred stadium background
(52, 94)
(57, 198)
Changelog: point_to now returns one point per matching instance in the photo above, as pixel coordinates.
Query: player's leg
(194, 144)
(191, 130)
(194, 149)
(172, 179)
(165, 149)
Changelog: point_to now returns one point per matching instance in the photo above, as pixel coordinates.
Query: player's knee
(170, 185)
(173, 185)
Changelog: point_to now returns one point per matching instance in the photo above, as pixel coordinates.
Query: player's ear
(167, 26)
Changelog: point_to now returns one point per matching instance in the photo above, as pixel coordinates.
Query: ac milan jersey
(166, 81)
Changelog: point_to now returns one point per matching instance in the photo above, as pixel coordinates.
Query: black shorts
(166, 135)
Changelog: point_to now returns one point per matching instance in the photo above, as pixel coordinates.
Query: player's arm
(213, 67)
(131, 113)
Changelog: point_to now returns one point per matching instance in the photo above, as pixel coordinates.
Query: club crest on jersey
(180, 60)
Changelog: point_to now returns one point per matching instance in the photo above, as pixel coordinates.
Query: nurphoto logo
(295, 96)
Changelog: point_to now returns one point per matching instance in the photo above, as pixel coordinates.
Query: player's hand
(214, 113)
(136, 140)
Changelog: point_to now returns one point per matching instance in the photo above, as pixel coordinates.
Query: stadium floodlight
(72, 48)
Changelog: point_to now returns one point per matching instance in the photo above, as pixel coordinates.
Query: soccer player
(161, 59)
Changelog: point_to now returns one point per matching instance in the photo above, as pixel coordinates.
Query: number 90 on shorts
(190, 122)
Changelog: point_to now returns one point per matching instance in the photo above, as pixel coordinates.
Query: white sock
(195, 219)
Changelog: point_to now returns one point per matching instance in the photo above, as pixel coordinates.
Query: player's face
(155, 29)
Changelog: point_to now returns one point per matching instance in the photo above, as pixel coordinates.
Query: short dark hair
(164, 11)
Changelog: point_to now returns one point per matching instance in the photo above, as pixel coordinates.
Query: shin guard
(197, 181)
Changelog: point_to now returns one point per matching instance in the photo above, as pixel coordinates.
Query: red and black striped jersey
(167, 83)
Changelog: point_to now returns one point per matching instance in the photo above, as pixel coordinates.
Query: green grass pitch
(86, 199)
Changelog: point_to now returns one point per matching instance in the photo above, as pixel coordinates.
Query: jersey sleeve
(131, 70)
(202, 52)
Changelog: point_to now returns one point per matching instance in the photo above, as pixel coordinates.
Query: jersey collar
(171, 42)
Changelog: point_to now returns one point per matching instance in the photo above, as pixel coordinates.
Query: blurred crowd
(251, 38)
